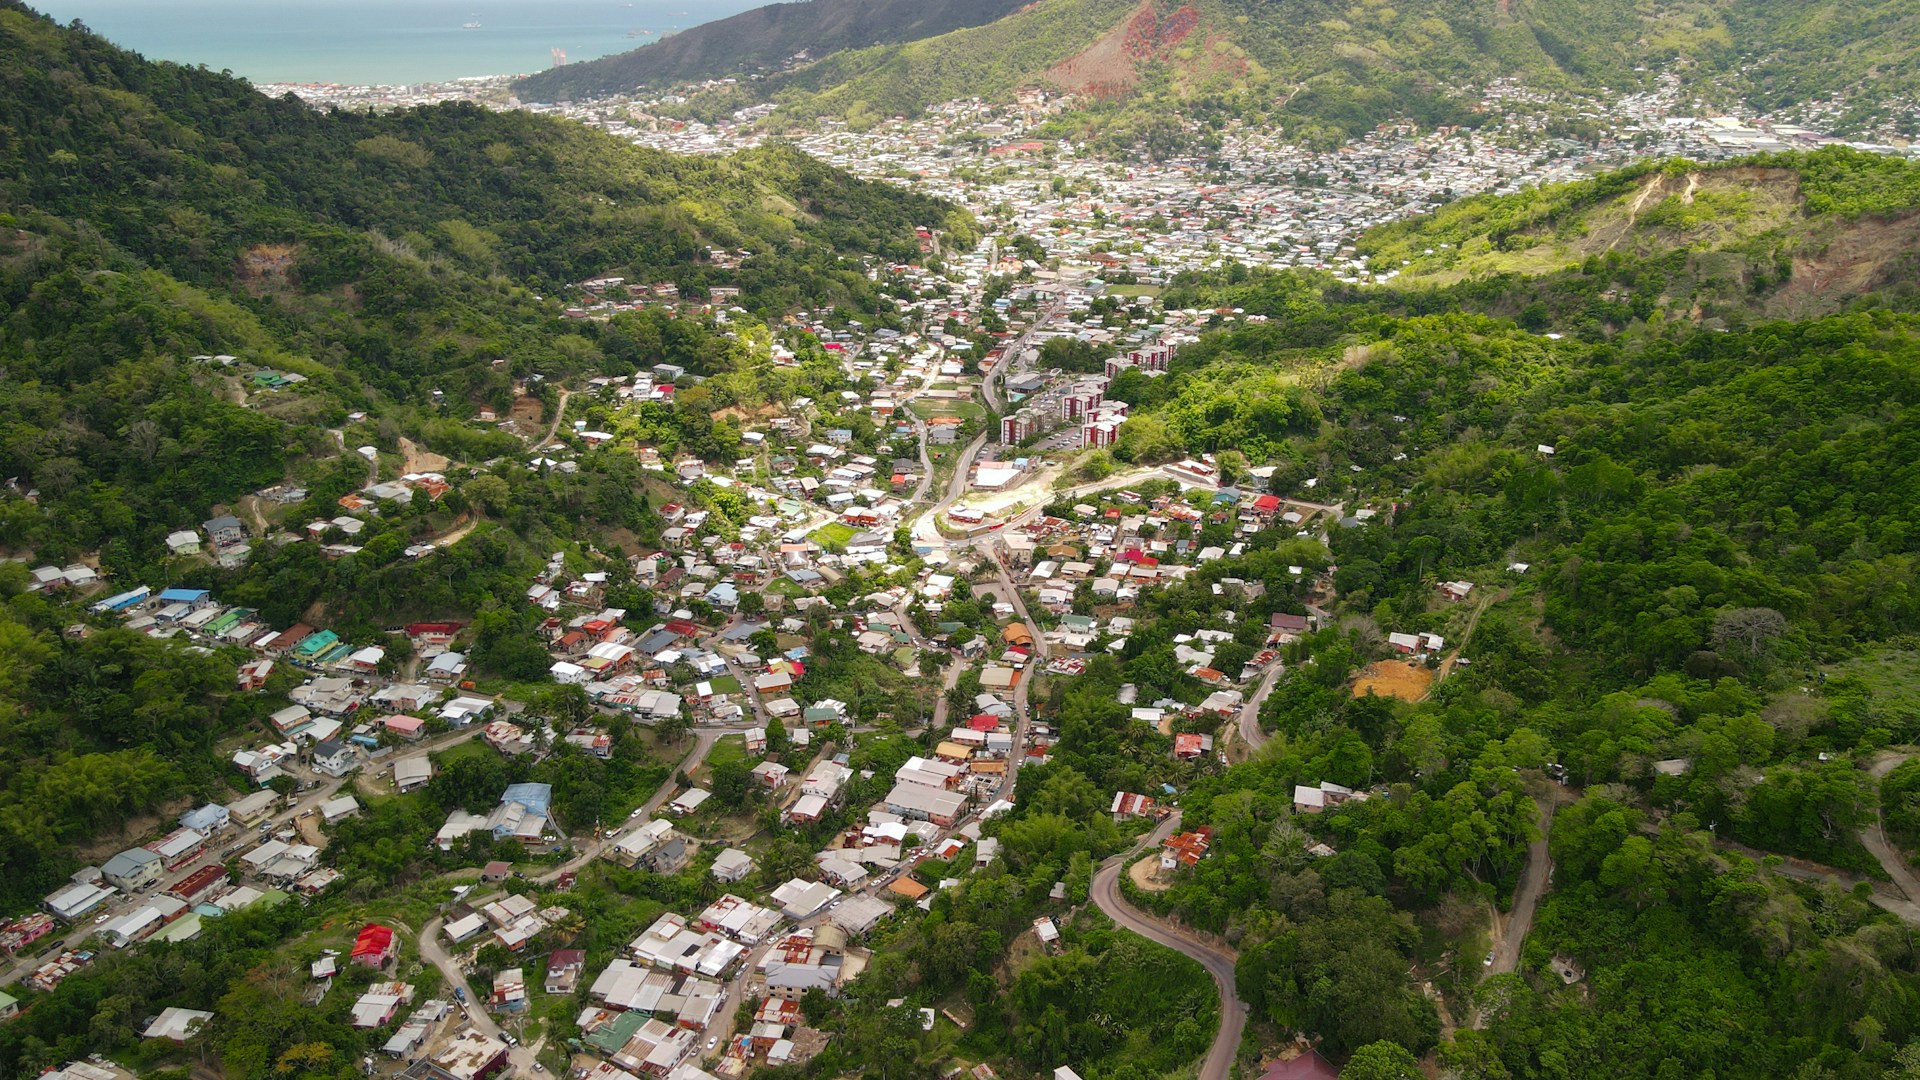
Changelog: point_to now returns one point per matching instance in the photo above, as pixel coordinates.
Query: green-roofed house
(315, 643)
(610, 1037)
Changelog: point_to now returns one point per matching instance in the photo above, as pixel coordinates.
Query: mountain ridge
(762, 39)
(1330, 70)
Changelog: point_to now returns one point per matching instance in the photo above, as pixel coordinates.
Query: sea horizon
(374, 42)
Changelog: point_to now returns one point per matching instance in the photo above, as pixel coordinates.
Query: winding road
(1250, 731)
(1874, 838)
(1219, 962)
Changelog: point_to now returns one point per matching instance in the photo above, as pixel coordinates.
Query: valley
(765, 577)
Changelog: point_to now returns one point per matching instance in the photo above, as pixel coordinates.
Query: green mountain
(765, 39)
(1330, 69)
(153, 213)
(1690, 528)
(1787, 235)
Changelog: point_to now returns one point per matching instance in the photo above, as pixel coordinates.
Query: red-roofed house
(1186, 747)
(1185, 849)
(984, 722)
(375, 945)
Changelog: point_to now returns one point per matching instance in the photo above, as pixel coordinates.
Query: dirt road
(1533, 883)
(1874, 838)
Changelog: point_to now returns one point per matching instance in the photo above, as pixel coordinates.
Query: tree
(487, 493)
(731, 781)
(1748, 630)
(1382, 1060)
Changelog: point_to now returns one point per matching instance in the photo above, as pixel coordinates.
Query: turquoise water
(383, 41)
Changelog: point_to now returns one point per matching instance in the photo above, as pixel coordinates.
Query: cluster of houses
(174, 883)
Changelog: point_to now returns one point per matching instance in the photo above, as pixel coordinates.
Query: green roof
(316, 642)
(613, 1035)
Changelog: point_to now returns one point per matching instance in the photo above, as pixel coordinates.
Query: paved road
(1219, 962)
(1250, 712)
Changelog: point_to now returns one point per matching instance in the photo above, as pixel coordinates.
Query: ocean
(383, 42)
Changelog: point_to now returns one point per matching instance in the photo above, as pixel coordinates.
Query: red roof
(984, 722)
(682, 627)
(374, 940)
(1267, 504)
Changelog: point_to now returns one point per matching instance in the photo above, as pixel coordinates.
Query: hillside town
(653, 809)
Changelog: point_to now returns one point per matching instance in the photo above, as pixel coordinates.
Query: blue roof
(535, 797)
(188, 596)
(125, 599)
(798, 652)
(206, 818)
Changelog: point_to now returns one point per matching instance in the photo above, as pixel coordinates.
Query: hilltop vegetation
(762, 39)
(1776, 236)
(1326, 71)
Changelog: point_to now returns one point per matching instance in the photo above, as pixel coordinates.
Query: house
(446, 668)
(132, 870)
(375, 945)
(563, 970)
(208, 819)
(1185, 849)
(921, 802)
(177, 1025)
(509, 991)
(339, 809)
(689, 801)
(732, 865)
(470, 1054)
(253, 675)
(334, 758)
(802, 899)
(411, 774)
(1126, 804)
(1188, 746)
(251, 809)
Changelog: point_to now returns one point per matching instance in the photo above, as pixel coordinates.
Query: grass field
(729, 748)
(833, 536)
(726, 684)
(472, 748)
(966, 410)
(1135, 290)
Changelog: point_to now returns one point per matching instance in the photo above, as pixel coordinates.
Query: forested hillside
(1694, 555)
(156, 213)
(761, 40)
(1328, 71)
